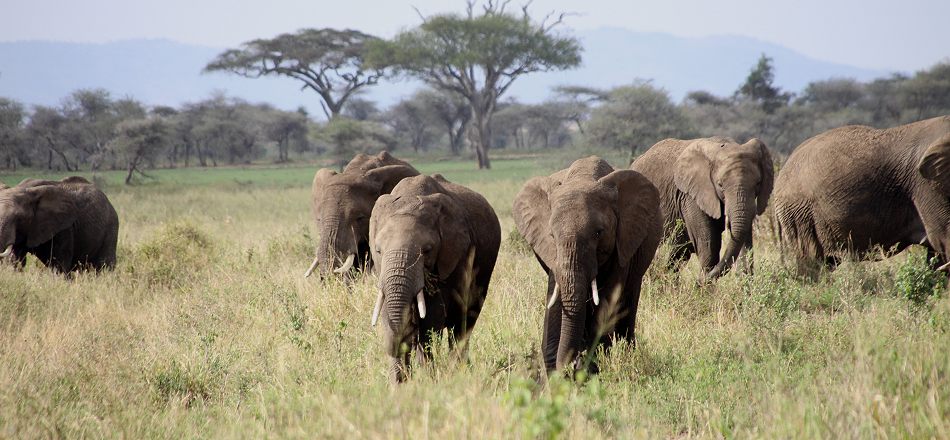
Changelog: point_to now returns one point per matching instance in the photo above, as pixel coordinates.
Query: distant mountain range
(168, 72)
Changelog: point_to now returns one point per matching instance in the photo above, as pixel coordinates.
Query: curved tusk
(595, 292)
(944, 267)
(7, 252)
(553, 296)
(377, 308)
(421, 302)
(313, 266)
(347, 265)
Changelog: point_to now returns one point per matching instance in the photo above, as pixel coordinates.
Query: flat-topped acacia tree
(327, 61)
(478, 55)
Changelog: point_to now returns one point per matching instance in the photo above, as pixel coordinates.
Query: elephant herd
(593, 229)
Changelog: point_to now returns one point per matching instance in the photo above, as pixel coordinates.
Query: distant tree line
(92, 130)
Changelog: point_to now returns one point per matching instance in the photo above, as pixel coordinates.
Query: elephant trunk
(740, 215)
(401, 282)
(575, 290)
(336, 249)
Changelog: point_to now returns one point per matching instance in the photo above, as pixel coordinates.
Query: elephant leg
(705, 233)
(680, 248)
(551, 333)
(63, 256)
(631, 295)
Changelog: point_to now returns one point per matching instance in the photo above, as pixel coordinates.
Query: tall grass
(206, 329)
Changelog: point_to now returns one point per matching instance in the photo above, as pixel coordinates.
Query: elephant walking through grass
(851, 189)
(68, 225)
(595, 232)
(708, 186)
(435, 245)
(342, 203)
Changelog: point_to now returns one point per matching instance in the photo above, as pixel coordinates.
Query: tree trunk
(483, 140)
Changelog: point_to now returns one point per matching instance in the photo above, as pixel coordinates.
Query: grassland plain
(206, 329)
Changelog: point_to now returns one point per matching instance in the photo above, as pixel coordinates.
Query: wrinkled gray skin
(437, 242)
(708, 186)
(588, 223)
(848, 190)
(68, 225)
(342, 203)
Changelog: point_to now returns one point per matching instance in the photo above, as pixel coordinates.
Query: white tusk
(553, 296)
(377, 308)
(944, 267)
(6, 253)
(594, 292)
(347, 265)
(421, 302)
(313, 266)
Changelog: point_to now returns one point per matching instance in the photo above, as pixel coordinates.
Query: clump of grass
(176, 382)
(917, 282)
(517, 244)
(173, 255)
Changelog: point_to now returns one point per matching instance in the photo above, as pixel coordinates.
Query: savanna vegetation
(206, 329)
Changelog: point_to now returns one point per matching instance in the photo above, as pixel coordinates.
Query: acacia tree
(478, 55)
(138, 141)
(327, 61)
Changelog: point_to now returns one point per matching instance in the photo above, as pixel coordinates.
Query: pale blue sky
(892, 35)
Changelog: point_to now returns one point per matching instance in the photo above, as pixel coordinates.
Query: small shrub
(916, 281)
(173, 255)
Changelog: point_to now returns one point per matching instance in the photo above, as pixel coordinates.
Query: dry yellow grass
(206, 329)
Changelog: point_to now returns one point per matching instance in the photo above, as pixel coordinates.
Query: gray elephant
(699, 181)
(342, 203)
(594, 231)
(435, 245)
(850, 189)
(68, 224)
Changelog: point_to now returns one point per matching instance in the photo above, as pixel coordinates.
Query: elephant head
(32, 214)
(342, 204)
(420, 237)
(725, 178)
(586, 231)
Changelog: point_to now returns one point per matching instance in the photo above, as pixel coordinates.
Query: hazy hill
(168, 72)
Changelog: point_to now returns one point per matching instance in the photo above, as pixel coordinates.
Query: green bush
(916, 281)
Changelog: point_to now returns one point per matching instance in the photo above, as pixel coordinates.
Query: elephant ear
(638, 205)
(54, 211)
(767, 169)
(532, 215)
(389, 175)
(935, 163)
(454, 234)
(693, 176)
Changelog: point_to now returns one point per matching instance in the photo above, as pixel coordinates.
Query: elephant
(708, 186)
(851, 189)
(68, 225)
(435, 245)
(342, 203)
(593, 229)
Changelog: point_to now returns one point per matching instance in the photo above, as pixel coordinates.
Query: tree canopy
(328, 61)
(759, 86)
(478, 55)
